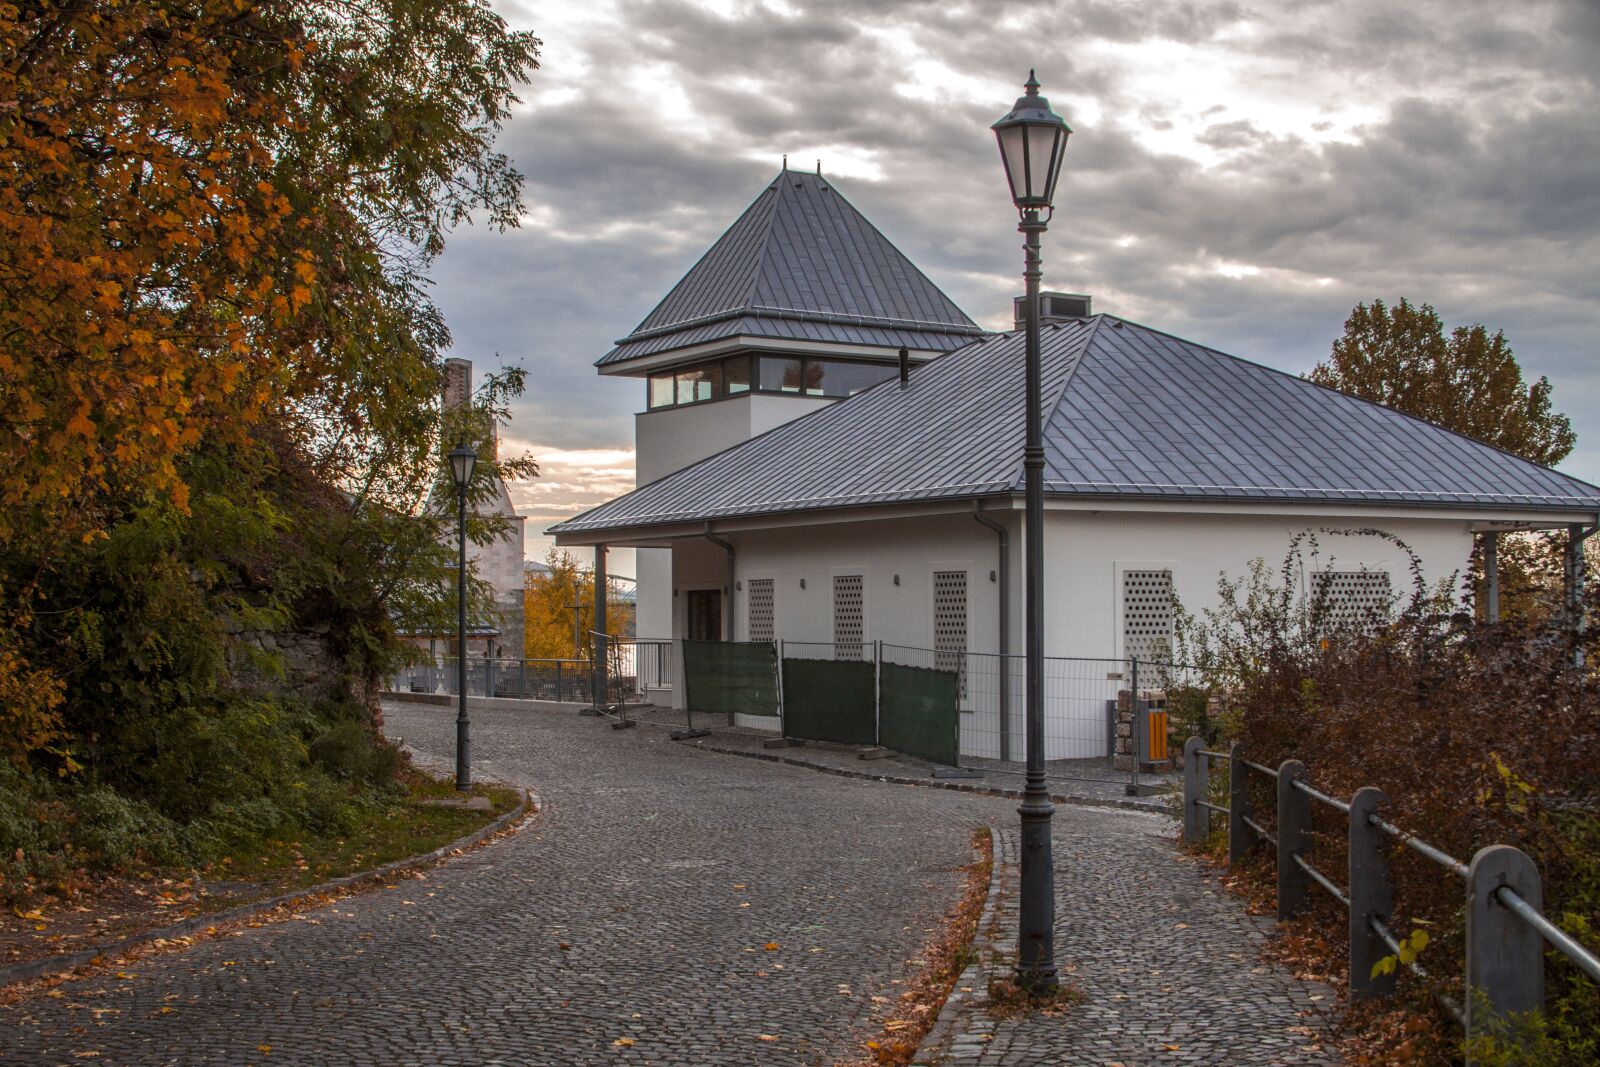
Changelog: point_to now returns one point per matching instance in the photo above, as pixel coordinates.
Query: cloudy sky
(1241, 174)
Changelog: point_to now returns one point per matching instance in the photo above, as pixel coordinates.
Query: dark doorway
(705, 615)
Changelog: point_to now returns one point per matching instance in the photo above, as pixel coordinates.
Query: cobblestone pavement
(1168, 964)
(629, 925)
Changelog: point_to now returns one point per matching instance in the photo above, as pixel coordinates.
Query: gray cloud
(1449, 153)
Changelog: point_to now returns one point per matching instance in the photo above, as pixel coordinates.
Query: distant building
(499, 563)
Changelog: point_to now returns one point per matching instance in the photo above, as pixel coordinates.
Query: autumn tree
(558, 608)
(1467, 381)
(216, 219)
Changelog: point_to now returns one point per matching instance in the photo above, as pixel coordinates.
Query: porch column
(1491, 576)
(599, 625)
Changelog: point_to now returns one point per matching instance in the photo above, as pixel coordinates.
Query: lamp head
(1032, 140)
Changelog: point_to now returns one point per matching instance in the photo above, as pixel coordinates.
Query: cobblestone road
(637, 909)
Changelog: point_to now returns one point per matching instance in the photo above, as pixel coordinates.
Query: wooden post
(1505, 956)
(1196, 820)
(1294, 838)
(1371, 897)
(1239, 835)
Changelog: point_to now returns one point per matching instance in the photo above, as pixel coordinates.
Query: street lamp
(462, 461)
(1032, 139)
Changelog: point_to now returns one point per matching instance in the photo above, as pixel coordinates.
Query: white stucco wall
(1085, 555)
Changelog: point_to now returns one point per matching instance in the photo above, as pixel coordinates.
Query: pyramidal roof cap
(801, 263)
(1131, 413)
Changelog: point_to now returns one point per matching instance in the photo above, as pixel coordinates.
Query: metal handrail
(1213, 755)
(1214, 807)
(1248, 821)
(1582, 957)
(1316, 794)
(1268, 771)
(1443, 859)
(1322, 880)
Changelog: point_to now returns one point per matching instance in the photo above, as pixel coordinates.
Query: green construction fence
(919, 712)
(731, 676)
(829, 700)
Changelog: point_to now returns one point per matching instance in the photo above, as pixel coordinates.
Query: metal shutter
(1147, 615)
(849, 622)
(760, 625)
(1351, 598)
(950, 623)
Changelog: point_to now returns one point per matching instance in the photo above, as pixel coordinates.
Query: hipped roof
(1131, 413)
(801, 263)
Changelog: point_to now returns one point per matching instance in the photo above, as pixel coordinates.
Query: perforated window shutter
(1351, 598)
(760, 601)
(1147, 615)
(849, 620)
(950, 623)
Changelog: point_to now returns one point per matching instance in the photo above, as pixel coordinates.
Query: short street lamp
(462, 462)
(1032, 139)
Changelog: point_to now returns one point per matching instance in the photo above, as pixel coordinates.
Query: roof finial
(1032, 84)
(819, 168)
(786, 162)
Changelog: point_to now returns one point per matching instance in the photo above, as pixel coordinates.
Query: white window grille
(760, 621)
(950, 624)
(849, 617)
(1351, 598)
(1147, 604)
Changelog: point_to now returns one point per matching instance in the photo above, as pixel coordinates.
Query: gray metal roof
(801, 263)
(1132, 413)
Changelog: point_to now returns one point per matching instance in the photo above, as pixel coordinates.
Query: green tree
(1467, 381)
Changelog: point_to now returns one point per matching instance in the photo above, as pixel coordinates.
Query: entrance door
(705, 614)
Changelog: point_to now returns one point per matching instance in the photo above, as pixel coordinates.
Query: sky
(1239, 174)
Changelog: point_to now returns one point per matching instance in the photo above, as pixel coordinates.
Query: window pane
(699, 383)
(827, 378)
(737, 374)
(780, 375)
(661, 390)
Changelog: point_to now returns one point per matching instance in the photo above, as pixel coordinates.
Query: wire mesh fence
(833, 651)
(566, 680)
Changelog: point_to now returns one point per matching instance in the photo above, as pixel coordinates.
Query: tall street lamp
(1032, 139)
(462, 461)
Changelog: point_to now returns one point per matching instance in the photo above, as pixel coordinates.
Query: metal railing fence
(566, 680)
(1505, 929)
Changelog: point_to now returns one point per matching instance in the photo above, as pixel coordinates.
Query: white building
(896, 515)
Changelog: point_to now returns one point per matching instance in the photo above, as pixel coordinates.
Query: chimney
(1053, 307)
(905, 368)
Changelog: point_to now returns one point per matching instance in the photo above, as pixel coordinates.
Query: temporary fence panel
(731, 676)
(829, 693)
(919, 709)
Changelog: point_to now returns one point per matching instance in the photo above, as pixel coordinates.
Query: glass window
(699, 383)
(662, 391)
(780, 375)
(736, 373)
(827, 378)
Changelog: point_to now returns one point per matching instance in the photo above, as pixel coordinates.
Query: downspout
(726, 546)
(1004, 537)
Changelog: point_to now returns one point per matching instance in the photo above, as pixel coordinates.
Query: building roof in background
(1132, 414)
(801, 264)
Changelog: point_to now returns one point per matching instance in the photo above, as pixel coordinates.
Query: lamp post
(1032, 138)
(462, 462)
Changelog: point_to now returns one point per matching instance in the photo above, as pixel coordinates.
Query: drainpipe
(727, 616)
(1004, 537)
(905, 368)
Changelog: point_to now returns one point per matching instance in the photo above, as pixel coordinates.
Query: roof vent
(1053, 307)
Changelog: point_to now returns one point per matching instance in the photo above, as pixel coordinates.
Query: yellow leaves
(1410, 948)
(80, 423)
(771, 946)
(623, 1042)
(766, 1037)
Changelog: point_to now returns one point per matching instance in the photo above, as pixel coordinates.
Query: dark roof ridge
(1349, 396)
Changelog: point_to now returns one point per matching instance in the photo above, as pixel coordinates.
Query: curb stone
(22, 972)
(1146, 806)
(958, 1019)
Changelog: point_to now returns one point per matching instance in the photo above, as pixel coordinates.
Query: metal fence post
(488, 677)
(877, 692)
(1238, 804)
(1505, 956)
(1371, 897)
(1294, 838)
(1196, 777)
